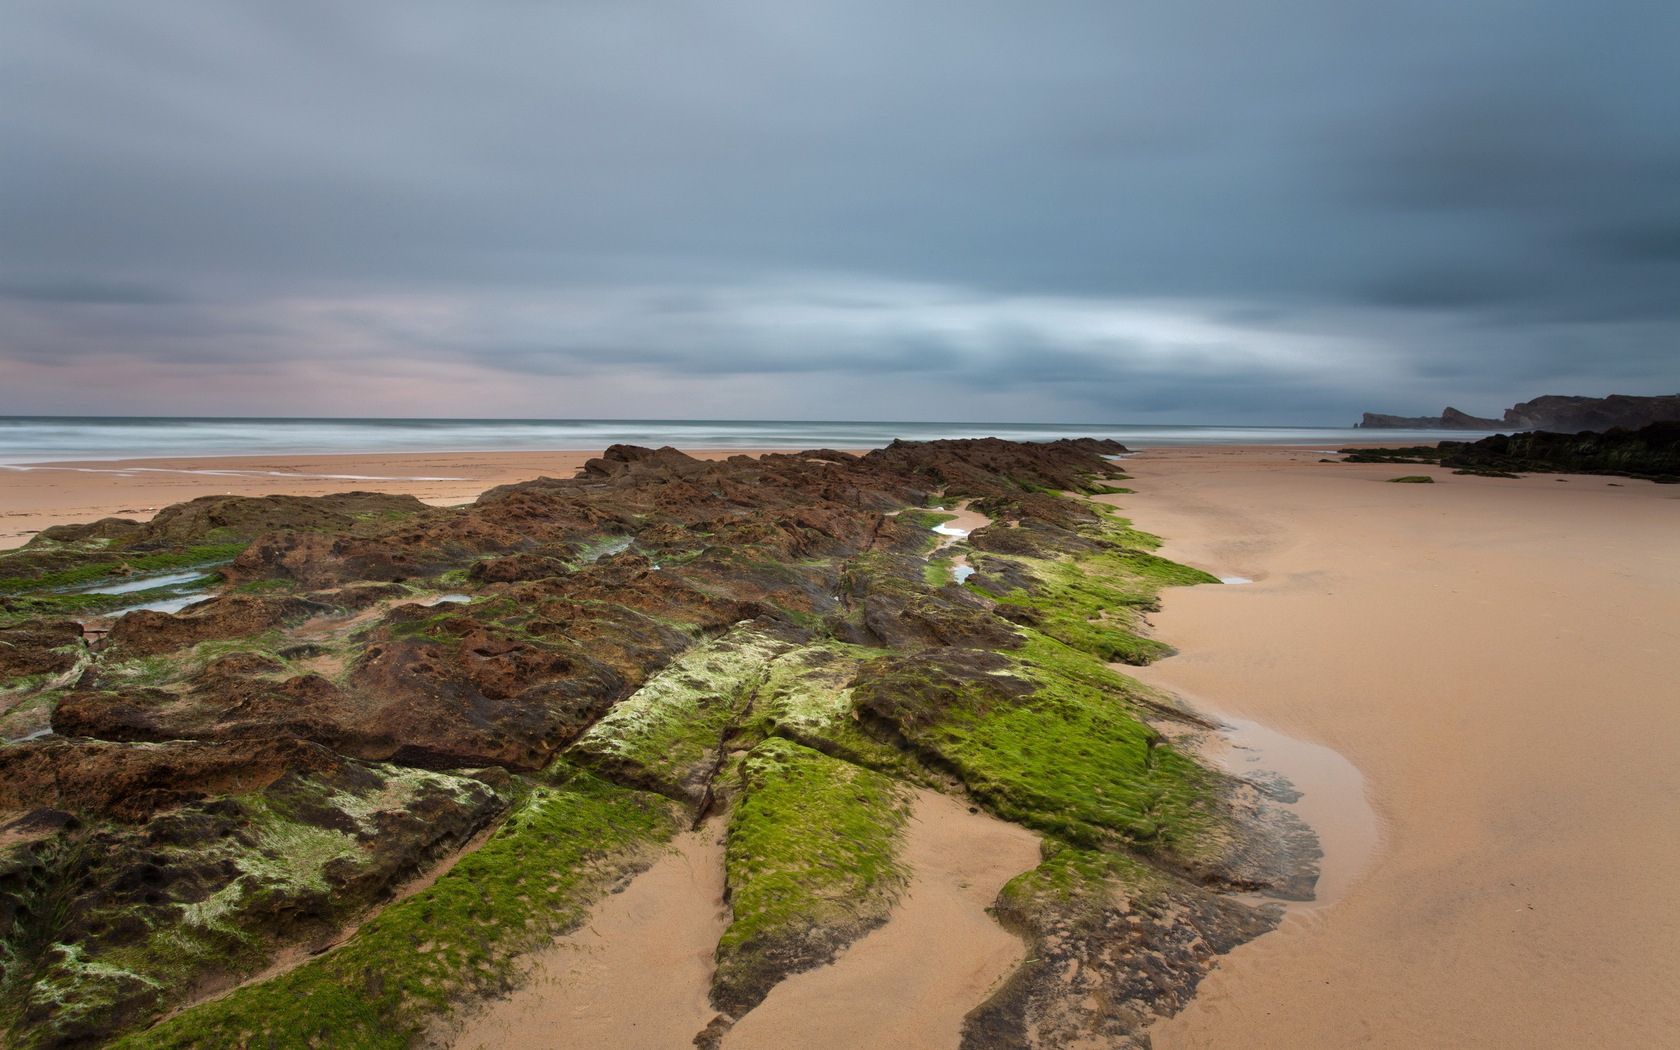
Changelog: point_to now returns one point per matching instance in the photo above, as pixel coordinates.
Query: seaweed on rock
(653, 640)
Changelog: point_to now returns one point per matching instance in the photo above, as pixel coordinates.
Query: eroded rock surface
(374, 681)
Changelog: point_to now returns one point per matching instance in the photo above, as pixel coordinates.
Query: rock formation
(1552, 412)
(582, 665)
(1652, 452)
(1449, 419)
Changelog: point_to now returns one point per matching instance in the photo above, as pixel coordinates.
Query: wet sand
(1498, 659)
(908, 984)
(37, 495)
(636, 976)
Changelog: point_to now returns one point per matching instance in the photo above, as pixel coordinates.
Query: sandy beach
(37, 495)
(1498, 659)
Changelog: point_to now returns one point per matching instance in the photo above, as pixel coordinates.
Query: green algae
(534, 878)
(821, 805)
(1067, 755)
(204, 555)
(1412, 479)
(662, 735)
(1094, 600)
(52, 605)
(807, 697)
(937, 572)
(277, 585)
(918, 517)
(168, 668)
(260, 858)
(811, 864)
(1074, 881)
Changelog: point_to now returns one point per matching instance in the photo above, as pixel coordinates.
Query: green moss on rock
(533, 879)
(1047, 737)
(810, 863)
(1094, 600)
(665, 736)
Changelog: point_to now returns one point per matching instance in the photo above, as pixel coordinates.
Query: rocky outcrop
(1651, 452)
(376, 680)
(1449, 419)
(1552, 412)
(1570, 415)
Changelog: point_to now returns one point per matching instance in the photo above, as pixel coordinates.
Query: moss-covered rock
(108, 924)
(1115, 944)
(410, 965)
(810, 866)
(765, 635)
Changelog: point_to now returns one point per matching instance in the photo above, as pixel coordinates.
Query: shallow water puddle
(144, 583)
(1235, 579)
(593, 553)
(163, 605)
(1332, 797)
(909, 983)
(963, 522)
(445, 599)
(636, 976)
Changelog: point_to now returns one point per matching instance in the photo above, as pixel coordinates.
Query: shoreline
(1489, 654)
(34, 496)
(37, 495)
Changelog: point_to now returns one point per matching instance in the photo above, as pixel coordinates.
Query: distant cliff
(1651, 452)
(1553, 412)
(1449, 419)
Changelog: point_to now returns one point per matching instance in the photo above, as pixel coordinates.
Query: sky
(1191, 211)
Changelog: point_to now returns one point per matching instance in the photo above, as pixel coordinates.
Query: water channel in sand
(1332, 799)
(909, 983)
(637, 975)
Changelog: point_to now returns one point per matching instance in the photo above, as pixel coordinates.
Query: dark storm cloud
(1209, 209)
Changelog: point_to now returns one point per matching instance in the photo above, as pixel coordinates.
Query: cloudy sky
(1188, 211)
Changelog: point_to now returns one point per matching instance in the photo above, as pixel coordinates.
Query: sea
(37, 439)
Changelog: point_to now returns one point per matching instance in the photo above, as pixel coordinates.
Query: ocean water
(35, 439)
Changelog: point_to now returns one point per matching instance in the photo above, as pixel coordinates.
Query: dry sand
(1499, 658)
(37, 495)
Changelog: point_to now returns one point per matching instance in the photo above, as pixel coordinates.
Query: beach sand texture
(1500, 659)
(1497, 658)
(906, 984)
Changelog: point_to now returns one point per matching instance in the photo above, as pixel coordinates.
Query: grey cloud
(1454, 191)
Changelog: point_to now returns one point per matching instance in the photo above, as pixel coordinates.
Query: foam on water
(36, 439)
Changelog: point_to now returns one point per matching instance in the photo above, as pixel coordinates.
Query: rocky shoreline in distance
(1651, 453)
(1553, 412)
